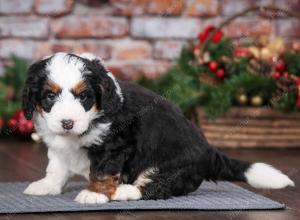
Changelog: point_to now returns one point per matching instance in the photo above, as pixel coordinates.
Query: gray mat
(210, 196)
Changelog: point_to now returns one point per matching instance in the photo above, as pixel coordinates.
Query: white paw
(89, 197)
(127, 192)
(42, 187)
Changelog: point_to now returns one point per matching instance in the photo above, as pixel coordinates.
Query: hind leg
(171, 183)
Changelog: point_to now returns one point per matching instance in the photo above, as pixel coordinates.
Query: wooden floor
(21, 161)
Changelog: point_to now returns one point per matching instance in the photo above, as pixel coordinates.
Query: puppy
(127, 141)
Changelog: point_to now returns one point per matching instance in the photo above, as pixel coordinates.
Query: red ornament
(280, 66)
(276, 75)
(213, 66)
(286, 75)
(220, 73)
(215, 38)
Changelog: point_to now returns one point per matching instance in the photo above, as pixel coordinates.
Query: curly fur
(132, 134)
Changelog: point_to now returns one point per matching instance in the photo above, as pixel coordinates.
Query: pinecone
(285, 85)
(207, 79)
(257, 66)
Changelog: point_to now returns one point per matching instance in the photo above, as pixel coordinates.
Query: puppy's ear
(106, 86)
(33, 85)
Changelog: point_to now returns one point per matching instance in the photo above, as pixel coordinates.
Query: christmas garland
(226, 74)
(12, 120)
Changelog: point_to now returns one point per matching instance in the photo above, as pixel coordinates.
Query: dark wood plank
(25, 161)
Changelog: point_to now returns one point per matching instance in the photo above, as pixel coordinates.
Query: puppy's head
(68, 92)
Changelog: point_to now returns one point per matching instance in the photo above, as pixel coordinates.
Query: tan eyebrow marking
(79, 87)
(53, 87)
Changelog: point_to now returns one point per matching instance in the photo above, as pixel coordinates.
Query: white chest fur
(67, 152)
(69, 155)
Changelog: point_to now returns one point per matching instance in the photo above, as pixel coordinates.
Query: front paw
(42, 187)
(89, 197)
(127, 192)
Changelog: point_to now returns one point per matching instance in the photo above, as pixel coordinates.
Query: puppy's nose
(67, 124)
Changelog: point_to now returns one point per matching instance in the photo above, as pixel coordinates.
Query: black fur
(35, 81)
(107, 99)
(148, 131)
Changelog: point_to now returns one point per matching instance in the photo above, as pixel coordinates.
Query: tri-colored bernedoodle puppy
(127, 141)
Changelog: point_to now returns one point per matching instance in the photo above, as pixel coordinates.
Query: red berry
(280, 66)
(12, 122)
(276, 75)
(29, 126)
(286, 75)
(22, 129)
(217, 36)
(204, 34)
(220, 73)
(213, 66)
(298, 81)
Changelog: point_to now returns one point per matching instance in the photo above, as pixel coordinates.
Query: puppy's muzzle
(67, 124)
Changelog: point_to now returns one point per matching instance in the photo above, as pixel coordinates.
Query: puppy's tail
(258, 175)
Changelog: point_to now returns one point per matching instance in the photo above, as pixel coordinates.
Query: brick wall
(135, 36)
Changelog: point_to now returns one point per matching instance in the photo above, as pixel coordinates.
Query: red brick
(90, 27)
(15, 6)
(140, 7)
(288, 28)
(136, 70)
(169, 49)
(129, 7)
(131, 50)
(53, 7)
(24, 27)
(87, 10)
(99, 49)
(230, 7)
(92, 3)
(293, 5)
(24, 49)
(252, 27)
(158, 27)
(202, 7)
(165, 7)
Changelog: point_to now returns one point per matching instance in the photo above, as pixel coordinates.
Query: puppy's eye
(51, 96)
(83, 96)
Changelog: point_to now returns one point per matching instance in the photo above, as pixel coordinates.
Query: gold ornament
(242, 99)
(256, 101)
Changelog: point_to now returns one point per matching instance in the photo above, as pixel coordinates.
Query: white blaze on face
(66, 72)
